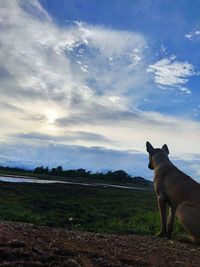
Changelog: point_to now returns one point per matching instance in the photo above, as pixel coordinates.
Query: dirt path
(28, 245)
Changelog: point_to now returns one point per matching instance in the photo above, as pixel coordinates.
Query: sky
(84, 84)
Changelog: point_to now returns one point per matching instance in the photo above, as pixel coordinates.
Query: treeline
(116, 176)
(14, 169)
(119, 175)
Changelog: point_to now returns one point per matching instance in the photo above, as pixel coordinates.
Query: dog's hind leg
(189, 216)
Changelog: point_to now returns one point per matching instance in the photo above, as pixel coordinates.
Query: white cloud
(185, 90)
(64, 70)
(45, 55)
(192, 35)
(171, 72)
(188, 35)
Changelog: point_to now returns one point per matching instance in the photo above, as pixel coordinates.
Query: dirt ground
(23, 244)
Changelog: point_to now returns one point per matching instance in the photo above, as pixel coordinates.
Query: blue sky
(86, 83)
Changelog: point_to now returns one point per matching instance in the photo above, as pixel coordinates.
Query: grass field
(103, 210)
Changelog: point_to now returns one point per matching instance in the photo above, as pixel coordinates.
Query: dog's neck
(161, 161)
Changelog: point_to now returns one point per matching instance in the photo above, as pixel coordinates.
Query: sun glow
(52, 115)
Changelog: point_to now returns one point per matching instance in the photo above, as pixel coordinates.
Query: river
(20, 179)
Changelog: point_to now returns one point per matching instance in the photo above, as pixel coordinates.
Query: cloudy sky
(86, 83)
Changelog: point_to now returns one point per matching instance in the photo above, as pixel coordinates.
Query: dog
(177, 191)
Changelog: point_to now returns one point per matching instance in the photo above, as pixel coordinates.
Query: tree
(120, 175)
(57, 171)
(41, 170)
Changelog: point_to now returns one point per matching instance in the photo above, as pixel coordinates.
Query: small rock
(46, 257)
(193, 250)
(178, 262)
(70, 263)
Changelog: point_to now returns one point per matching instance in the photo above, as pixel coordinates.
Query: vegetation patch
(105, 210)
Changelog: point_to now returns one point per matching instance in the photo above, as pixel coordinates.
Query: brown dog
(176, 190)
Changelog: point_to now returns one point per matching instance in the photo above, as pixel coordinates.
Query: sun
(52, 115)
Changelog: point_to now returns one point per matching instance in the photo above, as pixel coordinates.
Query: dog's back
(176, 186)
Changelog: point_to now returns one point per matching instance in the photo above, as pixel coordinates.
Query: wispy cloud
(171, 72)
(68, 69)
(193, 34)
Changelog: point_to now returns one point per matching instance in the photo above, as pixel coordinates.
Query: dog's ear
(149, 147)
(165, 148)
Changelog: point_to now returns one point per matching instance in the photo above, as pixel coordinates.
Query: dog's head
(161, 152)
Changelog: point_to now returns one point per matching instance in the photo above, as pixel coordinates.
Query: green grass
(102, 210)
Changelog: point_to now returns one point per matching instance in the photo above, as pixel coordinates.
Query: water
(17, 179)
(26, 180)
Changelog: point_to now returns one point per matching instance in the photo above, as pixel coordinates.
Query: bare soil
(23, 244)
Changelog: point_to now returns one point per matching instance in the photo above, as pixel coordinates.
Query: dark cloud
(91, 136)
(73, 157)
(25, 155)
(23, 94)
(23, 113)
(10, 107)
(105, 115)
(4, 74)
(98, 114)
(70, 136)
(34, 117)
(34, 135)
